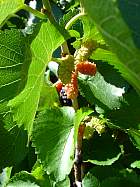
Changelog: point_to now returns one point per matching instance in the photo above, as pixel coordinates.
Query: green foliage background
(38, 135)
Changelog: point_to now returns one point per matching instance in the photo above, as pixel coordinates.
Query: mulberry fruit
(64, 99)
(65, 68)
(72, 88)
(86, 67)
(58, 85)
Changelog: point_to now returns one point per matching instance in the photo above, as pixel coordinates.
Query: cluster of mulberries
(68, 73)
(71, 88)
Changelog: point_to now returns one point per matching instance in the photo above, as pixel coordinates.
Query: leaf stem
(75, 104)
(48, 11)
(34, 11)
(64, 47)
(73, 20)
(58, 60)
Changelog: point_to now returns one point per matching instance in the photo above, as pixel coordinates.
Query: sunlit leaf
(96, 90)
(5, 176)
(8, 7)
(15, 57)
(136, 164)
(53, 138)
(25, 105)
(135, 137)
(90, 181)
(116, 33)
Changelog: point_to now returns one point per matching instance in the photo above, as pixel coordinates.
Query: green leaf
(135, 137)
(53, 138)
(90, 181)
(111, 58)
(96, 90)
(5, 176)
(79, 116)
(88, 28)
(112, 75)
(103, 150)
(115, 175)
(106, 56)
(116, 33)
(119, 182)
(113, 181)
(8, 7)
(6, 118)
(136, 164)
(39, 173)
(132, 19)
(91, 31)
(12, 145)
(25, 104)
(22, 184)
(15, 57)
(74, 33)
(63, 183)
(37, 170)
(48, 97)
(128, 116)
(67, 17)
(104, 172)
(23, 176)
(77, 26)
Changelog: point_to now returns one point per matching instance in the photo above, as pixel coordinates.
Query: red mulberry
(58, 85)
(86, 67)
(72, 88)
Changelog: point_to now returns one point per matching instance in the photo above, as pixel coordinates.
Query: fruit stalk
(78, 156)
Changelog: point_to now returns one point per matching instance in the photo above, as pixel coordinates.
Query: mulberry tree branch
(78, 156)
